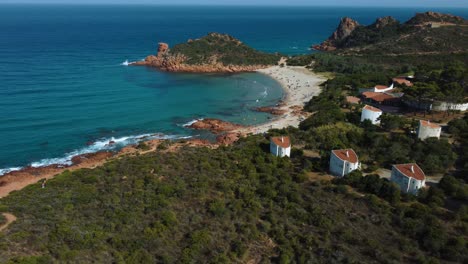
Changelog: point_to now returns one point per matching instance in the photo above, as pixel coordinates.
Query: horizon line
(231, 5)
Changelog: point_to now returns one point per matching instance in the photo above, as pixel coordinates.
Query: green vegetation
(240, 204)
(222, 48)
(232, 204)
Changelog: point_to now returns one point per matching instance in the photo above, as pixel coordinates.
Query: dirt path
(10, 219)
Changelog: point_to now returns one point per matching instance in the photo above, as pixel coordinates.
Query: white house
(427, 129)
(280, 146)
(371, 113)
(409, 177)
(343, 161)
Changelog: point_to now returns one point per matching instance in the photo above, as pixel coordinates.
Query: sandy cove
(299, 84)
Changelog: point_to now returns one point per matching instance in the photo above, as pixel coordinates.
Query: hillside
(233, 204)
(212, 53)
(425, 33)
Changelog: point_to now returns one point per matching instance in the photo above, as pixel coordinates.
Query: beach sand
(299, 84)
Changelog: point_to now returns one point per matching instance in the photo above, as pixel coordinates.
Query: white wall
(340, 167)
(370, 115)
(407, 184)
(427, 132)
(279, 151)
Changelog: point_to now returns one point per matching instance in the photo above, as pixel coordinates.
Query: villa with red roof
(371, 113)
(427, 129)
(409, 177)
(280, 146)
(343, 161)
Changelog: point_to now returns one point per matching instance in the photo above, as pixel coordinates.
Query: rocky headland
(428, 32)
(214, 53)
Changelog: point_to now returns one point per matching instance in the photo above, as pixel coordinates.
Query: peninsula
(213, 53)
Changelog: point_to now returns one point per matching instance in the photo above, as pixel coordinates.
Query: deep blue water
(62, 83)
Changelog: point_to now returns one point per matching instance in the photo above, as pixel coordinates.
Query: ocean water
(64, 88)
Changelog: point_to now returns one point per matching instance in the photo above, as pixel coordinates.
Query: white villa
(427, 129)
(409, 177)
(343, 161)
(371, 113)
(280, 146)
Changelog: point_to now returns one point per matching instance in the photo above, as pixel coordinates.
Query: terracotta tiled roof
(346, 154)
(411, 170)
(283, 142)
(379, 97)
(428, 124)
(373, 109)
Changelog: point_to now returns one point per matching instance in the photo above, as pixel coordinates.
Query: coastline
(299, 86)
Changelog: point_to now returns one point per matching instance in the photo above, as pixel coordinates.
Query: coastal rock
(344, 29)
(228, 138)
(214, 125)
(385, 22)
(423, 19)
(214, 48)
(91, 157)
(270, 110)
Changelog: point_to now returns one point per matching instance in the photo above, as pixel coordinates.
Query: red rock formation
(228, 138)
(166, 61)
(214, 125)
(344, 29)
(271, 110)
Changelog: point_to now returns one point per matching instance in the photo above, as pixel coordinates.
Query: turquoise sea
(64, 90)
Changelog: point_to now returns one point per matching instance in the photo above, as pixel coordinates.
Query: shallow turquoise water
(63, 85)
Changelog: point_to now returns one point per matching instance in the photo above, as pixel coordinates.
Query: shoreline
(299, 86)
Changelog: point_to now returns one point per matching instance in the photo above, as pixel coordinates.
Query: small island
(213, 53)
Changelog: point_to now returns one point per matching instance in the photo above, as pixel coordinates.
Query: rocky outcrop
(228, 138)
(270, 110)
(383, 22)
(177, 61)
(215, 126)
(344, 29)
(422, 19)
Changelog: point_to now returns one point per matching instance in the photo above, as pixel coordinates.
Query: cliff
(425, 33)
(344, 29)
(212, 53)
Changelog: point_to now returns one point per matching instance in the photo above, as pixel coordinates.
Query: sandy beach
(300, 85)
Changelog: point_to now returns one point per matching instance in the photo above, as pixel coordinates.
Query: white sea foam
(265, 93)
(191, 122)
(125, 63)
(105, 144)
(7, 170)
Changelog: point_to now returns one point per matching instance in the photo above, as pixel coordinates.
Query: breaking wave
(191, 122)
(105, 144)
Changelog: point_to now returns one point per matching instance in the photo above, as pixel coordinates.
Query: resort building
(280, 146)
(381, 98)
(371, 113)
(427, 129)
(343, 161)
(409, 177)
